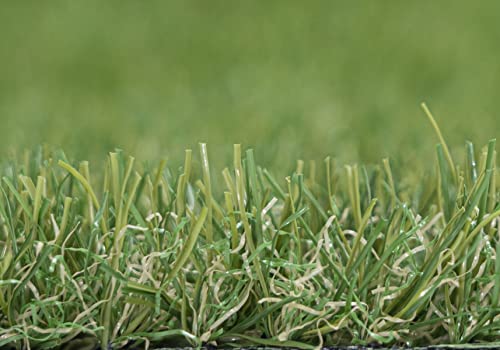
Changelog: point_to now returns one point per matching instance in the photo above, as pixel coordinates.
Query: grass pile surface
(131, 255)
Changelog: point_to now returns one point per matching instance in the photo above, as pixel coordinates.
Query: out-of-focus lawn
(293, 79)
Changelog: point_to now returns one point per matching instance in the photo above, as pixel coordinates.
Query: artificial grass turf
(134, 255)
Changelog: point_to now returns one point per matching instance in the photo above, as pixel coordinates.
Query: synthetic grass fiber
(133, 254)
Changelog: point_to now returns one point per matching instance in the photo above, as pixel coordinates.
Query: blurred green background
(292, 79)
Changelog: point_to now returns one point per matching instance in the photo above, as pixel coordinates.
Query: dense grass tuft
(330, 256)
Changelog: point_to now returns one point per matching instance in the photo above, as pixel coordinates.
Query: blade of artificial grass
(232, 220)
(21, 254)
(495, 296)
(5, 212)
(446, 151)
(138, 217)
(179, 199)
(208, 187)
(316, 204)
(19, 198)
(64, 220)
(82, 180)
(218, 213)
(470, 164)
(129, 199)
(86, 186)
(362, 224)
(240, 202)
(366, 179)
(161, 168)
(255, 195)
(363, 254)
(40, 184)
(447, 201)
(29, 185)
(274, 184)
(488, 167)
(85, 171)
(353, 191)
(392, 186)
(294, 222)
(472, 235)
(300, 213)
(189, 245)
(115, 179)
(121, 222)
(93, 234)
(128, 172)
(228, 180)
(4, 281)
(329, 178)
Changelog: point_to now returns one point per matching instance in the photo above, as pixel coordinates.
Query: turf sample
(133, 255)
